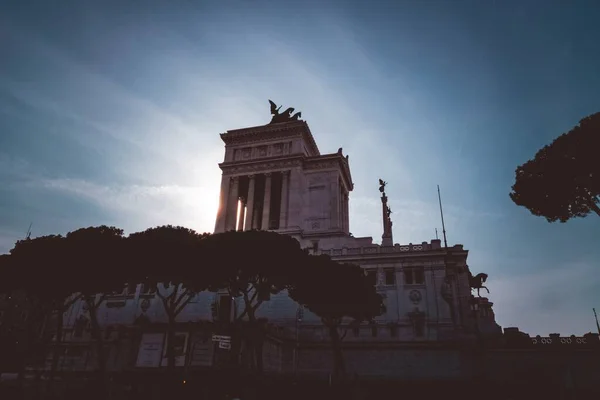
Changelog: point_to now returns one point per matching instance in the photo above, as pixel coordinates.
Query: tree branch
(163, 298)
(178, 299)
(594, 207)
(242, 315)
(173, 293)
(72, 301)
(345, 332)
(100, 300)
(254, 294)
(255, 307)
(181, 306)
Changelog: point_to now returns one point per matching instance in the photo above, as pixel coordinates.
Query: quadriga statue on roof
(285, 116)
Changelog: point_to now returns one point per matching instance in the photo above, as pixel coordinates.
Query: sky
(110, 113)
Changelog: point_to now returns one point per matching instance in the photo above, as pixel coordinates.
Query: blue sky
(110, 113)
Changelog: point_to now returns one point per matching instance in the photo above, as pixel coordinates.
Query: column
(285, 177)
(347, 212)
(220, 223)
(250, 203)
(240, 222)
(341, 204)
(231, 211)
(266, 202)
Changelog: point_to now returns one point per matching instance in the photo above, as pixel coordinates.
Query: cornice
(335, 160)
(271, 132)
(265, 164)
(393, 256)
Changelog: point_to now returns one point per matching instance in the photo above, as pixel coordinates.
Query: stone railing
(518, 339)
(565, 340)
(377, 249)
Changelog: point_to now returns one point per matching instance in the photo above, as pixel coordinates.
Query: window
(390, 276)
(315, 246)
(414, 276)
(372, 275)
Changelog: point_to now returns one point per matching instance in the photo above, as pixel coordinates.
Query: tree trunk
(170, 344)
(256, 339)
(101, 356)
(339, 368)
(57, 349)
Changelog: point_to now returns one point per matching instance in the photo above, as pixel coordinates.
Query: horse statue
(477, 281)
(285, 116)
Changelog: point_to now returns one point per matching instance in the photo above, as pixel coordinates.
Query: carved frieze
(321, 165)
(260, 167)
(271, 132)
(316, 224)
(246, 153)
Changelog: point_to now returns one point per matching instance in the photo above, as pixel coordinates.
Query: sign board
(221, 338)
(225, 345)
(150, 350)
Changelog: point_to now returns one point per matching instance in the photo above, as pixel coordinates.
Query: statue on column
(387, 239)
(382, 184)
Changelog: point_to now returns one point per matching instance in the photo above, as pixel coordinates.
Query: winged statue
(285, 116)
(382, 184)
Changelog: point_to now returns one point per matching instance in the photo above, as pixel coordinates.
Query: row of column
(244, 217)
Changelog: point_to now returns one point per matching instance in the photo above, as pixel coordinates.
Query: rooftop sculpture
(285, 116)
(476, 282)
(382, 184)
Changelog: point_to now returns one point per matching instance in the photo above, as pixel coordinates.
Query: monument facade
(434, 328)
(274, 177)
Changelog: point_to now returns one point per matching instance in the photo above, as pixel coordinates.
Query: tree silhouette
(94, 259)
(563, 179)
(336, 292)
(253, 265)
(172, 262)
(39, 268)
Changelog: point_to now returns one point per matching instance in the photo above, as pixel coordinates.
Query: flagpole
(442, 215)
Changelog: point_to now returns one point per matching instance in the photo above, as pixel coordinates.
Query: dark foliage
(253, 265)
(170, 260)
(337, 292)
(563, 179)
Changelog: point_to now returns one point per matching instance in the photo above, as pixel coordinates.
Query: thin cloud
(145, 206)
(548, 301)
